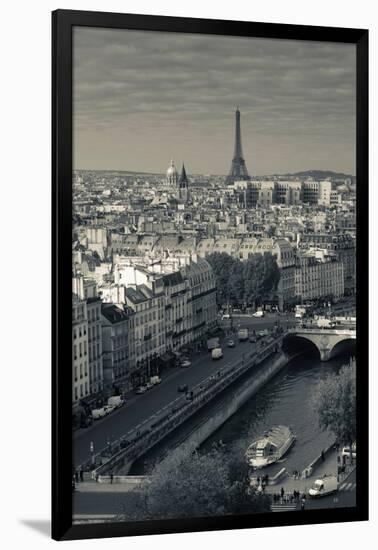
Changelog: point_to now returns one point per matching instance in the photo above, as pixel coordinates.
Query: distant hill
(119, 172)
(318, 174)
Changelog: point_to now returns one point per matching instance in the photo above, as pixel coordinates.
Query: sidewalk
(328, 467)
(93, 487)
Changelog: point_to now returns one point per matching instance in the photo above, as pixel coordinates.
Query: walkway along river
(285, 399)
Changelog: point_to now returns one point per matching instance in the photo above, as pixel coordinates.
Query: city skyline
(141, 98)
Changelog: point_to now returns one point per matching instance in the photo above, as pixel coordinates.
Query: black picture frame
(62, 23)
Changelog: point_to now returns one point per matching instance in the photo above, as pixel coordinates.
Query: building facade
(80, 370)
(319, 276)
(115, 345)
(342, 246)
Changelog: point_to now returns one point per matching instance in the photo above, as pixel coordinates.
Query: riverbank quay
(301, 483)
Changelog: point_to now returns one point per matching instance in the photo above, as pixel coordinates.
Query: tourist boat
(270, 447)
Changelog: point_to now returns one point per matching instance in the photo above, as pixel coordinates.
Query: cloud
(153, 86)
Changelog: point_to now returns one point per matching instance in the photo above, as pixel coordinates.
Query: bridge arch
(328, 342)
(292, 343)
(341, 346)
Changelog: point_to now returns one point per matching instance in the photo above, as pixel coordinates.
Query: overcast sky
(142, 98)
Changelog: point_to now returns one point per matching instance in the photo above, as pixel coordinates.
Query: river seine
(284, 400)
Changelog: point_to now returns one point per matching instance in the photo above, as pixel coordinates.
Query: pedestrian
(303, 501)
(81, 474)
(76, 476)
(322, 456)
(282, 492)
(111, 477)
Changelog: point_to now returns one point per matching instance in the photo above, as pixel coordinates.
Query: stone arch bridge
(327, 341)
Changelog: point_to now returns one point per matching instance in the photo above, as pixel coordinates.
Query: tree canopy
(196, 485)
(243, 282)
(334, 402)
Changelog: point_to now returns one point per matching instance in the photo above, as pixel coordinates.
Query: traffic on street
(139, 408)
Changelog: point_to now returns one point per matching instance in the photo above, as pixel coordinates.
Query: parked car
(116, 401)
(230, 343)
(346, 451)
(185, 363)
(155, 380)
(109, 409)
(149, 385)
(226, 316)
(98, 413)
(183, 388)
(140, 390)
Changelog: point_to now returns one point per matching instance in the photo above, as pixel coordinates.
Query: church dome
(172, 174)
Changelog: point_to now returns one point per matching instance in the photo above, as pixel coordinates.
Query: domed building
(172, 175)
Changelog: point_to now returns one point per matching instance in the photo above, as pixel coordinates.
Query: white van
(323, 486)
(217, 353)
(258, 313)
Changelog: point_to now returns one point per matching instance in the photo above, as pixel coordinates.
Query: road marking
(347, 487)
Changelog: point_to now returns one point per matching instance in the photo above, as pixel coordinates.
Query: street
(141, 407)
(345, 496)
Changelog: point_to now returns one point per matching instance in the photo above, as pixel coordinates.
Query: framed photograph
(210, 192)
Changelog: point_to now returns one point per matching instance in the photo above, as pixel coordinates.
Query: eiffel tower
(238, 169)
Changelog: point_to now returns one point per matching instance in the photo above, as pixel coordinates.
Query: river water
(284, 400)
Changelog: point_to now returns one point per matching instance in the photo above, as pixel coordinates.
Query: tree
(195, 485)
(261, 275)
(243, 281)
(334, 401)
(222, 264)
